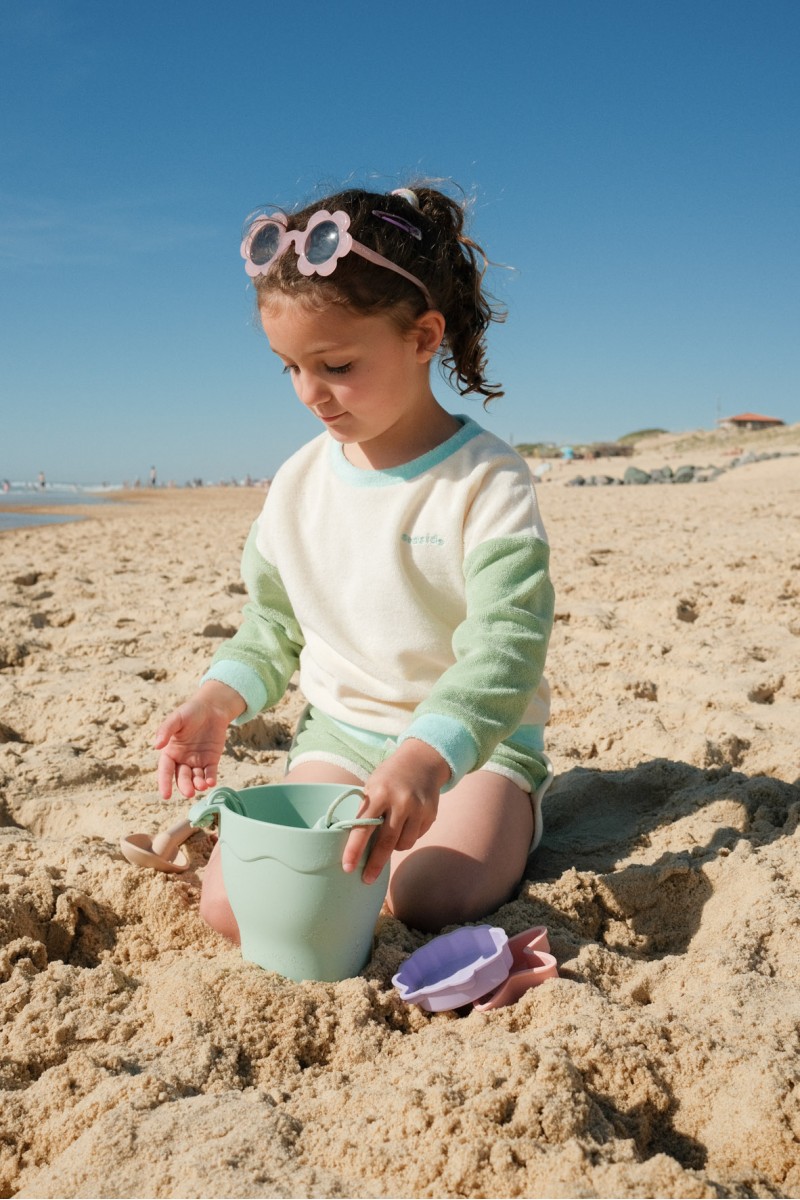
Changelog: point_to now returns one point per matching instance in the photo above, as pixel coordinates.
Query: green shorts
(320, 739)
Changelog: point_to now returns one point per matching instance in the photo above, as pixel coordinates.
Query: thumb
(168, 729)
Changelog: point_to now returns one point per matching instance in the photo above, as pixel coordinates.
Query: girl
(399, 561)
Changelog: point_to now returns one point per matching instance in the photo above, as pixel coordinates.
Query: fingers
(167, 729)
(396, 833)
(208, 778)
(189, 780)
(355, 847)
(189, 754)
(385, 841)
(166, 775)
(184, 777)
(404, 790)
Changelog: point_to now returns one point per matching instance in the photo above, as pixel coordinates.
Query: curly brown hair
(448, 262)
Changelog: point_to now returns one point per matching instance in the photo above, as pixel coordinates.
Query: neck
(407, 442)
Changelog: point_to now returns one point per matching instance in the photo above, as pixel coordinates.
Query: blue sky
(635, 161)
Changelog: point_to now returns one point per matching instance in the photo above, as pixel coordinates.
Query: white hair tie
(407, 194)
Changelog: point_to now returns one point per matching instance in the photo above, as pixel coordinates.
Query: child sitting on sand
(399, 561)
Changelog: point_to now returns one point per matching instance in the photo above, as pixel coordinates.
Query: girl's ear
(428, 334)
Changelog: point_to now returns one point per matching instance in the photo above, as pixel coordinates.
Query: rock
(12, 653)
(218, 629)
(634, 475)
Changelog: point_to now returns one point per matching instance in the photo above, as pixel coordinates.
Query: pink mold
(532, 964)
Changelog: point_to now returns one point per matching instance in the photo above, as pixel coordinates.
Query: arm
(500, 650)
(260, 659)
(249, 672)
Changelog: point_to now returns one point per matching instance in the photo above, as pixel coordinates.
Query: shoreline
(123, 499)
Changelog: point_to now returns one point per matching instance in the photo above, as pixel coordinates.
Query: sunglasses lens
(322, 242)
(264, 244)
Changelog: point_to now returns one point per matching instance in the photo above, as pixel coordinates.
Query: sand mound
(141, 1057)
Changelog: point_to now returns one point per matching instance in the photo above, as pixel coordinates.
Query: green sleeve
(260, 659)
(500, 650)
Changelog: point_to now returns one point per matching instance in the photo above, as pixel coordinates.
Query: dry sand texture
(141, 1057)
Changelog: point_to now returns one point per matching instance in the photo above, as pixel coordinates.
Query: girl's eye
(338, 370)
(287, 370)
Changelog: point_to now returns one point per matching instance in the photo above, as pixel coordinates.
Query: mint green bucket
(298, 912)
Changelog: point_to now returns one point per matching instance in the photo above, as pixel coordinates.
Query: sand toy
(476, 965)
(532, 964)
(455, 969)
(299, 913)
(162, 852)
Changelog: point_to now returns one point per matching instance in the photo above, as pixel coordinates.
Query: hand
(404, 790)
(192, 739)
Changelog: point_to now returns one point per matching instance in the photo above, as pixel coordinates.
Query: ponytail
(459, 294)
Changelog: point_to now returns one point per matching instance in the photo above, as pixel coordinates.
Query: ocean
(56, 495)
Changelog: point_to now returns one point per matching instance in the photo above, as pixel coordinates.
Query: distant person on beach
(42, 481)
(153, 477)
(399, 560)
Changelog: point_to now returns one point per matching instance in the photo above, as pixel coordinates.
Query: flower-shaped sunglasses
(318, 247)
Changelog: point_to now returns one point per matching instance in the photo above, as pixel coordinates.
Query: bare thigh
(472, 858)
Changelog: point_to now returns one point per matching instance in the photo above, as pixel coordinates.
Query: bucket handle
(202, 814)
(327, 822)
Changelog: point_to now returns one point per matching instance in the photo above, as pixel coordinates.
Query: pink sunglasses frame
(299, 239)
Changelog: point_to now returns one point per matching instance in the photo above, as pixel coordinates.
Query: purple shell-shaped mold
(456, 968)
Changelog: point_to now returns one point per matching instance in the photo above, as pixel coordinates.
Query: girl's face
(364, 378)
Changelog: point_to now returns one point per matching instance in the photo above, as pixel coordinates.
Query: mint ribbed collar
(359, 477)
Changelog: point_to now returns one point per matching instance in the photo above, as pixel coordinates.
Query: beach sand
(141, 1057)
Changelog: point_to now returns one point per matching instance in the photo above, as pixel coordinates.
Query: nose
(311, 390)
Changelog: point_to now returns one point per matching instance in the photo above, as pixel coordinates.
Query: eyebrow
(317, 351)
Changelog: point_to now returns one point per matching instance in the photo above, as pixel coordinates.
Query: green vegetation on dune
(639, 434)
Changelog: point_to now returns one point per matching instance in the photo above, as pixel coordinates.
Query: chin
(345, 439)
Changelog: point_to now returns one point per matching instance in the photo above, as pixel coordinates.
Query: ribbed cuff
(245, 681)
(449, 738)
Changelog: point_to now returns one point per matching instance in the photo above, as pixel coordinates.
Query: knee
(427, 897)
(427, 913)
(215, 907)
(218, 913)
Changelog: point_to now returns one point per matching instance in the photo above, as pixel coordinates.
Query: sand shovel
(162, 852)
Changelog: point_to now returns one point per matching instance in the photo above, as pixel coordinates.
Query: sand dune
(141, 1057)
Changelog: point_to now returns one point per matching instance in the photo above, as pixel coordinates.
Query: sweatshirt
(416, 600)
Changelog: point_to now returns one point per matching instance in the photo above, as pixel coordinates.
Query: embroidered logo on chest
(422, 539)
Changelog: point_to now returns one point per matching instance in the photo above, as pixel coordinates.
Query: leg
(214, 906)
(470, 860)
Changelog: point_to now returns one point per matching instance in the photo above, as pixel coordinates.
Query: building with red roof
(750, 421)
